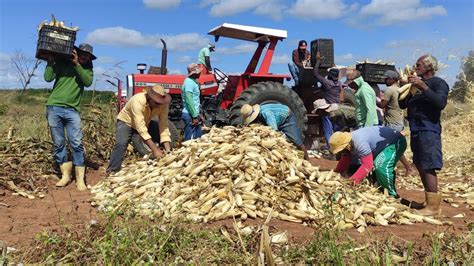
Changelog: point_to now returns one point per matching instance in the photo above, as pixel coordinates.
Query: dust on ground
(22, 219)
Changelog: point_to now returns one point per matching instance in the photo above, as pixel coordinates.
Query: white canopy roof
(248, 33)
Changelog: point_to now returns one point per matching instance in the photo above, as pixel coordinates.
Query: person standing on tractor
(277, 116)
(393, 117)
(424, 113)
(135, 117)
(365, 100)
(63, 106)
(376, 147)
(190, 96)
(299, 55)
(204, 58)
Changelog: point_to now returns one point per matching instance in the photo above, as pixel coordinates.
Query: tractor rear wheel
(142, 149)
(267, 92)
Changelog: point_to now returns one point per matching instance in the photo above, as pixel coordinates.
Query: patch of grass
(3, 109)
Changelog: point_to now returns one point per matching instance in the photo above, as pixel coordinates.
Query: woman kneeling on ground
(376, 147)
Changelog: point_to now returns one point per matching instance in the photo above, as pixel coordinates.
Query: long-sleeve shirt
(274, 114)
(424, 109)
(365, 100)
(69, 82)
(190, 96)
(367, 143)
(296, 57)
(137, 114)
(331, 88)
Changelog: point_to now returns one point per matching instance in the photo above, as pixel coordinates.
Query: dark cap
(302, 42)
(86, 48)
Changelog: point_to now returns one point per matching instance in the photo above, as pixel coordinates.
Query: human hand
(158, 153)
(75, 58)
(417, 82)
(50, 58)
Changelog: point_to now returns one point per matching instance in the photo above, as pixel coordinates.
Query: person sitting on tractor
(135, 117)
(376, 147)
(190, 96)
(278, 117)
(204, 58)
(299, 55)
(365, 100)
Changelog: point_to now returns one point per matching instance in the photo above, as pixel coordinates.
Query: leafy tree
(463, 89)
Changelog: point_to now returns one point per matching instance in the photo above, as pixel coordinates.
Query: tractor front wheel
(268, 92)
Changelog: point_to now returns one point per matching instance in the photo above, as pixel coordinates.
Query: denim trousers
(291, 130)
(295, 72)
(123, 135)
(190, 131)
(328, 128)
(64, 121)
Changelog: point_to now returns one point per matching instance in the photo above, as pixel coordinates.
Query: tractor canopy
(247, 33)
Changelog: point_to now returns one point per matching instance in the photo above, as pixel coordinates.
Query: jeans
(123, 134)
(60, 119)
(295, 72)
(328, 128)
(291, 130)
(190, 131)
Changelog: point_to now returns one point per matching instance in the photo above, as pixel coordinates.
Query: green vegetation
(24, 112)
(121, 238)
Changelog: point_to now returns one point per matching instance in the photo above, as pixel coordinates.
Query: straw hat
(323, 104)
(158, 94)
(249, 112)
(339, 141)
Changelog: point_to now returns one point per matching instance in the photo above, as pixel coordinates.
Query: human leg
(385, 163)
(123, 133)
(294, 71)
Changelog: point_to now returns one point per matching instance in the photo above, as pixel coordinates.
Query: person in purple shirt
(377, 148)
(424, 112)
(277, 116)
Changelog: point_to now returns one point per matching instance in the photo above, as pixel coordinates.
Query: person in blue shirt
(424, 112)
(277, 116)
(190, 96)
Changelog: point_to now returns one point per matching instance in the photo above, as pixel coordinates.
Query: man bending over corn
(277, 116)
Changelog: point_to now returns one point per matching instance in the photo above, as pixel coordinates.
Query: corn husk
(237, 173)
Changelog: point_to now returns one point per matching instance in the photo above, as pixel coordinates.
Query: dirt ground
(22, 219)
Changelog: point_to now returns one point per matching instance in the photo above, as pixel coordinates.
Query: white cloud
(344, 58)
(319, 9)
(161, 4)
(123, 37)
(239, 49)
(388, 12)
(184, 59)
(281, 59)
(222, 8)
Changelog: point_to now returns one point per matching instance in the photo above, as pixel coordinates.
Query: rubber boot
(433, 200)
(66, 169)
(80, 172)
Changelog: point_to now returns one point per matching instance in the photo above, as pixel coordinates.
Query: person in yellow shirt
(135, 118)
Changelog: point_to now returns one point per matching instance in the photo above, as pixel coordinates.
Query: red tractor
(223, 95)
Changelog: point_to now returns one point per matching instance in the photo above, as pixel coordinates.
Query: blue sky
(128, 31)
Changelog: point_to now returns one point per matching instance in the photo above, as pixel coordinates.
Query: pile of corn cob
(249, 172)
(57, 24)
(407, 88)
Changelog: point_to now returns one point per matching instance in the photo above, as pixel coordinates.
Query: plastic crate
(325, 47)
(374, 72)
(56, 41)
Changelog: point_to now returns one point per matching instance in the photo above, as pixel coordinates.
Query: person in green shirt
(365, 100)
(204, 58)
(63, 106)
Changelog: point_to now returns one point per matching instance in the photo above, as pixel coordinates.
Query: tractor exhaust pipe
(164, 55)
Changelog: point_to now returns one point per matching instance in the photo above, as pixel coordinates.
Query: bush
(3, 109)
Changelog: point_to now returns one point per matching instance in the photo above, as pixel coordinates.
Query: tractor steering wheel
(220, 76)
